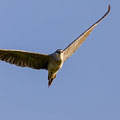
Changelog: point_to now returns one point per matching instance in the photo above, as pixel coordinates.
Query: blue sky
(88, 85)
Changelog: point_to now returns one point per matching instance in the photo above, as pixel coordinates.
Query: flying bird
(51, 62)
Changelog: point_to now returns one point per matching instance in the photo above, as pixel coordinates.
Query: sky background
(88, 85)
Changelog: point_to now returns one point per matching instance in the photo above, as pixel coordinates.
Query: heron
(50, 62)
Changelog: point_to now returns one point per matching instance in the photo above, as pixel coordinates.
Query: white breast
(55, 63)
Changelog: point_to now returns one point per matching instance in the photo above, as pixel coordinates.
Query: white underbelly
(55, 63)
(54, 67)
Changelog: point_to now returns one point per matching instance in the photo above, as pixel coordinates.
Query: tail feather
(50, 80)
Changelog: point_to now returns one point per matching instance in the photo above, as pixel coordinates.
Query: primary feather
(24, 59)
(70, 49)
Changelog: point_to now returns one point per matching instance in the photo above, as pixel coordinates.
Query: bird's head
(59, 51)
(58, 54)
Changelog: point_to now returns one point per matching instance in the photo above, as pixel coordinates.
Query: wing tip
(109, 7)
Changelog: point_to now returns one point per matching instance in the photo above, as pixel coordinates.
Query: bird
(50, 62)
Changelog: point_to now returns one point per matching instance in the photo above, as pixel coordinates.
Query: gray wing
(68, 51)
(24, 59)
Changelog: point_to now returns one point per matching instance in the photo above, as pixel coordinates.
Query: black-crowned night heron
(51, 62)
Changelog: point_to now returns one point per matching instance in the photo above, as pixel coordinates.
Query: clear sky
(88, 85)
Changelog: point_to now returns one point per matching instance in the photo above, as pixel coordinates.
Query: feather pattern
(24, 59)
(69, 50)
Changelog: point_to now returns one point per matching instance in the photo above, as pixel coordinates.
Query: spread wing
(68, 51)
(24, 59)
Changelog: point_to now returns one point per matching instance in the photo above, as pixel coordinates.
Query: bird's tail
(50, 80)
(49, 83)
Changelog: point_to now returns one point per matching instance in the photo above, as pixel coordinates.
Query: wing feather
(24, 59)
(69, 50)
